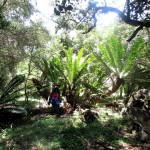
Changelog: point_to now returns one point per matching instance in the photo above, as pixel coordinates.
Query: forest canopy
(135, 13)
(93, 76)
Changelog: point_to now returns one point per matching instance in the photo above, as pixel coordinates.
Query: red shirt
(55, 95)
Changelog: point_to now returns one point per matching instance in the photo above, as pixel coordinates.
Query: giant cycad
(74, 66)
(118, 60)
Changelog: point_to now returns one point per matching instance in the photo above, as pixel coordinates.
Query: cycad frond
(69, 64)
(10, 87)
(115, 58)
(50, 71)
(117, 51)
(77, 62)
(91, 87)
(104, 64)
(132, 53)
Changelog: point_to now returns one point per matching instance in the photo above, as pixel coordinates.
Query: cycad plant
(118, 60)
(11, 90)
(49, 75)
(67, 71)
(72, 68)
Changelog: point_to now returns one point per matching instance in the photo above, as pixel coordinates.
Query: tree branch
(93, 26)
(123, 16)
(135, 33)
(4, 3)
(128, 7)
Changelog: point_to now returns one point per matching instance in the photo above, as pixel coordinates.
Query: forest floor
(45, 131)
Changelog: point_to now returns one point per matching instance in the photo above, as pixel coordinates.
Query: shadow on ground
(47, 132)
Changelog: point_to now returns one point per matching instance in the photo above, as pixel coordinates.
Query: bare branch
(129, 16)
(128, 7)
(135, 33)
(121, 15)
(93, 26)
(125, 18)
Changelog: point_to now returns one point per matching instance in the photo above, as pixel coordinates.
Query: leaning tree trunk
(71, 96)
(116, 82)
(29, 72)
(44, 92)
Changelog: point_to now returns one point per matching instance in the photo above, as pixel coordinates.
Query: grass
(68, 133)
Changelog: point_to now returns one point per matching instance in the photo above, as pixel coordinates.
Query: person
(55, 99)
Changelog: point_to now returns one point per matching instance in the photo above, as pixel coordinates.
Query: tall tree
(18, 38)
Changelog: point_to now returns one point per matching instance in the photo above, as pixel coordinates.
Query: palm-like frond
(117, 52)
(59, 67)
(104, 64)
(132, 54)
(48, 68)
(69, 64)
(112, 54)
(74, 65)
(9, 91)
(91, 87)
(115, 58)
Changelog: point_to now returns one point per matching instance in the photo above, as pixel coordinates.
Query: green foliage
(133, 53)
(20, 10)
(75, 65)
(4, 24)
(118, 60)
(11, 90)
(48, 132)
(115, 57)
(68, 71)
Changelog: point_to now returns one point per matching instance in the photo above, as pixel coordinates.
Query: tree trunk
(115, 85)
(44, 92)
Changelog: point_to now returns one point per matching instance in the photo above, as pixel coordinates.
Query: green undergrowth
(66, 133)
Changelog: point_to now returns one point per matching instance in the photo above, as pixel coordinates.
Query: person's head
(56, 89)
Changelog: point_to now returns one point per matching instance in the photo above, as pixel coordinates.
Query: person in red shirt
(55, 99)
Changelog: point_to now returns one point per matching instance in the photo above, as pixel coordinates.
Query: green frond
(133, 53)
(103, 63)
(10, 88)
(104, 53)
(111, 59)
(91, 87)
(114, 57)
(60, 68)
(77, 62)
(79, 74)
(69, 64)
(108, 56)
(117, 51)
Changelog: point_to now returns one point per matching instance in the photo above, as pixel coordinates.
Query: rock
(11, 115)
(138, 111)
(89, 116)
(67, 108)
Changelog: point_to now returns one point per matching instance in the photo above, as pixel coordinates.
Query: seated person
(55, 99)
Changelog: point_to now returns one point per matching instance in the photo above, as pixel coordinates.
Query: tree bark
(116, 83)
(44, 92)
